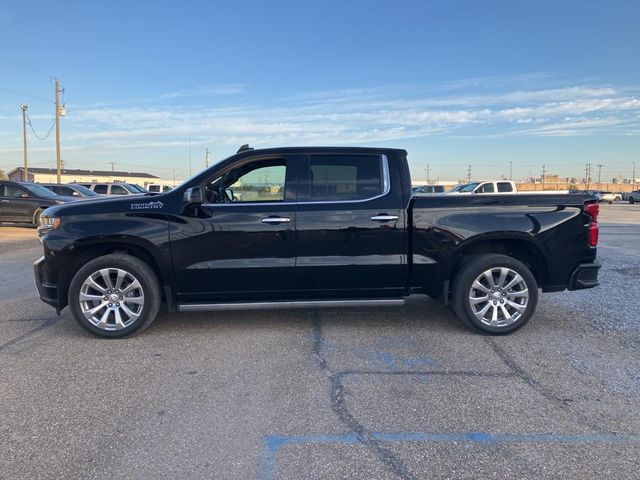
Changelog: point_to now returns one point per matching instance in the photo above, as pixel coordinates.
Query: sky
(149, 85)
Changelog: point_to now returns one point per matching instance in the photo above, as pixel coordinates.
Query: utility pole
(544, 174)
(189, 156)
(599, 172)
(25, 172)
(427, 170)
(58, 165)
(633, 177)
(587, 178)
(174, 177)
(113, 165)
(510, 170)
(206, 157)
(469, 173)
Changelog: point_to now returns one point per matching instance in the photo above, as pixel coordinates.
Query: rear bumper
(584, 276)
(47, 291)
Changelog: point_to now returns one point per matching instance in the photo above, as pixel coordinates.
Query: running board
(207, 307)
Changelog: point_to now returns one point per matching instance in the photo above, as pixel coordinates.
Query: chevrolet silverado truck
(312, 227)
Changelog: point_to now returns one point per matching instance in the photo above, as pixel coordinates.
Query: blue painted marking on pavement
(273, 443)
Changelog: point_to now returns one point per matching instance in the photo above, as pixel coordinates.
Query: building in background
(69, 175)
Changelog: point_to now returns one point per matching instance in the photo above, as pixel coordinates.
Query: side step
(374, 302)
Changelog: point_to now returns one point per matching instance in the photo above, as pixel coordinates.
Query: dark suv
(22, 202)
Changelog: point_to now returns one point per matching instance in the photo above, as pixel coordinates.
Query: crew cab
(312, 227)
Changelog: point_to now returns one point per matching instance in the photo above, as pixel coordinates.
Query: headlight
(49, 223)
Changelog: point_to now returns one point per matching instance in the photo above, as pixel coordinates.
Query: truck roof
(316, 149)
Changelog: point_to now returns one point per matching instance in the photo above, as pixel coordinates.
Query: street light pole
(510, 170)
(25, 172)
(633, 179)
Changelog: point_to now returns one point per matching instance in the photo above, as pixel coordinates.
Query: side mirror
(24, 195)
(194, 195)
(75, 194)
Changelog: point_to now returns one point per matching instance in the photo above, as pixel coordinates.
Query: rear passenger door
(350, 229)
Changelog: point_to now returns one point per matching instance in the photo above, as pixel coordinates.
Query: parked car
(344, 230)
(157, 188)
(499, 187)
(118, 188)
(609, 197)
(69, 189)
(428, 189)
(23, 202)
(634, 196)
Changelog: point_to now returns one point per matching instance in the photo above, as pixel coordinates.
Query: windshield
(137, 188)
(200, 172)
(469, 187)
(131, 188)
(84, 191)
(38, 190)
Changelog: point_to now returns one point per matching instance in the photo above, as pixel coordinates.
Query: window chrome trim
(386, 188)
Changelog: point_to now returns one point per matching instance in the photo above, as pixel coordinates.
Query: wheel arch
(521, 247)
(79, 255)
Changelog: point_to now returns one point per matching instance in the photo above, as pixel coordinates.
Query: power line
(25, 94)
(26, 67)
(34, 132)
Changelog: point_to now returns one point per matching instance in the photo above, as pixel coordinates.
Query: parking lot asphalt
(361, 393)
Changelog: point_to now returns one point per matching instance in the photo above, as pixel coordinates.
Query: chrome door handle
(384, 218)
(275, 220)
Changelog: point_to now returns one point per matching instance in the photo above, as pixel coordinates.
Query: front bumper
(47, 290)
(584, 276)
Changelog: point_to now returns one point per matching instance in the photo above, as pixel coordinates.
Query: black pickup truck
(312, 227)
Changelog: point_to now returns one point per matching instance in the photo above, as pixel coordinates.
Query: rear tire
(115, 295)
(632, 200)
(494, 294)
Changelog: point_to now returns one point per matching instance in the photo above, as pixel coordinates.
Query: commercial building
(69, 175)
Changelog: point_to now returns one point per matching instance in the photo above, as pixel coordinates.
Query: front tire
(115, 295)
(494, 294)
(632, 200)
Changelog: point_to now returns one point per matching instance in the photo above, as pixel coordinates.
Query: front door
(240, 242)
(16, 204)
(350, 227)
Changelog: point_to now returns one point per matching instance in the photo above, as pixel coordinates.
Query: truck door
(350, 226)
(240, 242)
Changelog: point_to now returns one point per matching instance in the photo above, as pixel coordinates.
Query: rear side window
(505, 187)
(344, 177)
(101, 189)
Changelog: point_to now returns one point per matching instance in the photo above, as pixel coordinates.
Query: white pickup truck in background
(495, 187)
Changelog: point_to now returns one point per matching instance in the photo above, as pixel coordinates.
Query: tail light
(593, 209)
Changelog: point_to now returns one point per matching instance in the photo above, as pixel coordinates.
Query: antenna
(244, 148)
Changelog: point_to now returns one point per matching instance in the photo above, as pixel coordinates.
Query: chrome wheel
(499, 297)
(111, 299)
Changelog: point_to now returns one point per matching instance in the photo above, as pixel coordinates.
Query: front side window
(505, 187)
(258, 181)
(345, 177)
(485, 188)
(118, 190)
(11, 191)
(100, 189)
